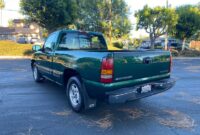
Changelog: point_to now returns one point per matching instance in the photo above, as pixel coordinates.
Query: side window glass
(48, 46)
(68, 41)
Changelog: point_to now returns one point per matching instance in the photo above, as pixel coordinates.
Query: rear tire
(36, 74)
(75, 94)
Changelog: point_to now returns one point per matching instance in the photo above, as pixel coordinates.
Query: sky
(12, 9)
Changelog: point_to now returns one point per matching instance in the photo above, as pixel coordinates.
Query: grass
(10, 48)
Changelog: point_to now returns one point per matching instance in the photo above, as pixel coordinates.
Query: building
(20, 29)
(7, 33)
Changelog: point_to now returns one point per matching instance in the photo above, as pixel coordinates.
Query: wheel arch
(69, 73)
(32, 63)
(88, 102)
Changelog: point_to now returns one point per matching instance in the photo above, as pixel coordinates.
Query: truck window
(68, 41)
(83, 41)
(91, 41)
(51, 39)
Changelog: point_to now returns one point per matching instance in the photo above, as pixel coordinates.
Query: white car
(33, 40)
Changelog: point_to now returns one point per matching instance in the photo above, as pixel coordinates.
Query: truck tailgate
(140, 64)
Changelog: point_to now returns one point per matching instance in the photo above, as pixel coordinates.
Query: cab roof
(79, 31)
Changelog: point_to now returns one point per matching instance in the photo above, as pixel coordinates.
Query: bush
(185, 53)
(174, 52)
(10, 48)
(190, 53)
(118, 45)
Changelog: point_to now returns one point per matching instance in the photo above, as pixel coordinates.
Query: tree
(107, 16)
(198, 5)
(196, 36)
(2, 6)
(188, 23)
(10, 23)
(156, 21)
(50, 14)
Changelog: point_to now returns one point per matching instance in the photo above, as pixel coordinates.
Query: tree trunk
(166, 41)
(183, 44)
(152, 40)
(110, 21)
(153, 44)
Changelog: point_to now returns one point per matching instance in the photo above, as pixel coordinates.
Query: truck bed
(140, 64)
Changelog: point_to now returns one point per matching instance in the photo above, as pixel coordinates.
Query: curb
(15, 57)
(186, 58)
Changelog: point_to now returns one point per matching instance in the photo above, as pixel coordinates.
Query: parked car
(39, 42)
(33, 40)
(22, 40)
(82, 64)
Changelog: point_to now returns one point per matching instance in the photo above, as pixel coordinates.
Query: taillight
(107, 70)
(170, 68)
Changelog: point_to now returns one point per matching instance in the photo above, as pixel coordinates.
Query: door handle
(147, 60)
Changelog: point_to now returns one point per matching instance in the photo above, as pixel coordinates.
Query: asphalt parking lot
(28, 108)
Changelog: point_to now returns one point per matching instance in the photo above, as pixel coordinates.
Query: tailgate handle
(147, 60)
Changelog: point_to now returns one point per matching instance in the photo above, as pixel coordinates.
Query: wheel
(74, 94)
(36, 75)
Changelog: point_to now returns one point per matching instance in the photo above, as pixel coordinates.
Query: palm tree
(2, 6)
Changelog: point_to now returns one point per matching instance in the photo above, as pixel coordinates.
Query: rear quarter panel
(86, 63)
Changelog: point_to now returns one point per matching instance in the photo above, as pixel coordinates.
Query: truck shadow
(133, 114)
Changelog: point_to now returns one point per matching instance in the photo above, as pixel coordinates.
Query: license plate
(146, 88)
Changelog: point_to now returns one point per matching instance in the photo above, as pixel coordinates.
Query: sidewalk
(15, 57)
(186, 58)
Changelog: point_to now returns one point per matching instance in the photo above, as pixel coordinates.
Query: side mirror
(36, 48)
(53, 45)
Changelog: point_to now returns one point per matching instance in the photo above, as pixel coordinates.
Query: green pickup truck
(81, 62)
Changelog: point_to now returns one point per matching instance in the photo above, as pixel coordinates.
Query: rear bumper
(98, 89)
(133, 93)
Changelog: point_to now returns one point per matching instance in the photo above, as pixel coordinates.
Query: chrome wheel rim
(74, 95)
(35, 73)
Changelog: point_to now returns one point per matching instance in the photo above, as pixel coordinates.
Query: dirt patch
(170, 118)
(133, 113)
(63, 113)
(176, 119)
(103, 123)
(187, 97)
